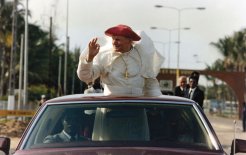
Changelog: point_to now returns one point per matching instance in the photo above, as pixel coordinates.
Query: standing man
(195, 74)
(194, 92)
(43, 99)
(181, 88)
(128, 68)
(244, 116)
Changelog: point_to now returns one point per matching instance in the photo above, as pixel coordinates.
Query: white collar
(66, 134)
(192, 89)
(126, 53)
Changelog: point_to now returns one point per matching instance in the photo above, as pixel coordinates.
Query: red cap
(122, 30)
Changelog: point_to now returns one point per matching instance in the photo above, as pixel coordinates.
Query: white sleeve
(87, 71)
(152, 87)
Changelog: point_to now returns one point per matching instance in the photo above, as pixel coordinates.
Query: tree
(38, 48)
(233, 48)
(5, 42)
(43, 57)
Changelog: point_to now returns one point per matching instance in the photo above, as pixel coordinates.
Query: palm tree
(225, 47)
(233, 48)
(5, 41)
(39, 56)
(240, 49)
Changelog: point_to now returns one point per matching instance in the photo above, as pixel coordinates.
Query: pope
(127, 66)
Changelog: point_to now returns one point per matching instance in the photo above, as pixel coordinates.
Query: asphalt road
(224, 128)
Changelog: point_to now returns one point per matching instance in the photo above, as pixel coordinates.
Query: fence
(28, 113)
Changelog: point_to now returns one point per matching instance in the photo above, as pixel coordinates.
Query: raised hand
(93, 49)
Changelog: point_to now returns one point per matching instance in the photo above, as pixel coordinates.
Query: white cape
(149, 55)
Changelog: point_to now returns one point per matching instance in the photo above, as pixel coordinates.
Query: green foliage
(43, 58)
(5, 98)
(35, 92)
(233, 48)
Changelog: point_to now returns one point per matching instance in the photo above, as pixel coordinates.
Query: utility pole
(11, 97)
(66, 54)
(25, 101)
(59, 92)
(50, 51)
(20, 73)
(13, 51)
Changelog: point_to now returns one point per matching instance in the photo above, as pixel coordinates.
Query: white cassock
(124, 74)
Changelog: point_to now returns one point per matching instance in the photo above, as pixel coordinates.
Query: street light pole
(25, 100)
(66, 54)
(13, 52)
(179, 10)
(20, 98)
(179, 25)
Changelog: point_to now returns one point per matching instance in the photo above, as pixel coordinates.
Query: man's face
(71, 124)
(121, 44)
(192, 83)
(183, 82)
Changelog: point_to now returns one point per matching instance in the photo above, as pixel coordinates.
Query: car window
(147, 124)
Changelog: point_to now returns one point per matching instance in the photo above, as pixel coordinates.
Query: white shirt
(191, 92)
(66, 134)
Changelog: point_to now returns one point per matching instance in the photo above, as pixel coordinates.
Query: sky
(90, 18)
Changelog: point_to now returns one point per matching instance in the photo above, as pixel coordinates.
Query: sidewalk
(224, 128)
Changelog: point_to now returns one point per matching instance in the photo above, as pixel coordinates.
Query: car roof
(101, 97)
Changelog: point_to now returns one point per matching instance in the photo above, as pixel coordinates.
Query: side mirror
(5, 144)
(240, 146)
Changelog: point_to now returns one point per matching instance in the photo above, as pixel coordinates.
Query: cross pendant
(126, 75)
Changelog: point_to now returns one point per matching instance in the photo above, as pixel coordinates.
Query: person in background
(90, 89)
(195, 74)
(127, 68)
(194, 92)
(43, 99)
(244, 116)
(181, 88)
(94, 87)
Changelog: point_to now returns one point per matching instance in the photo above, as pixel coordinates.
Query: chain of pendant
(126, 74)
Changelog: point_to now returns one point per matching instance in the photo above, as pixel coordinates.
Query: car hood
(115, 151)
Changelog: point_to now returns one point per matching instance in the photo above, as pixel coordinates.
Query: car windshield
(123, 124)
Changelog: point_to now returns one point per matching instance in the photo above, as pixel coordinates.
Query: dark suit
(60, 138)
(179, 92)
(198, 96)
